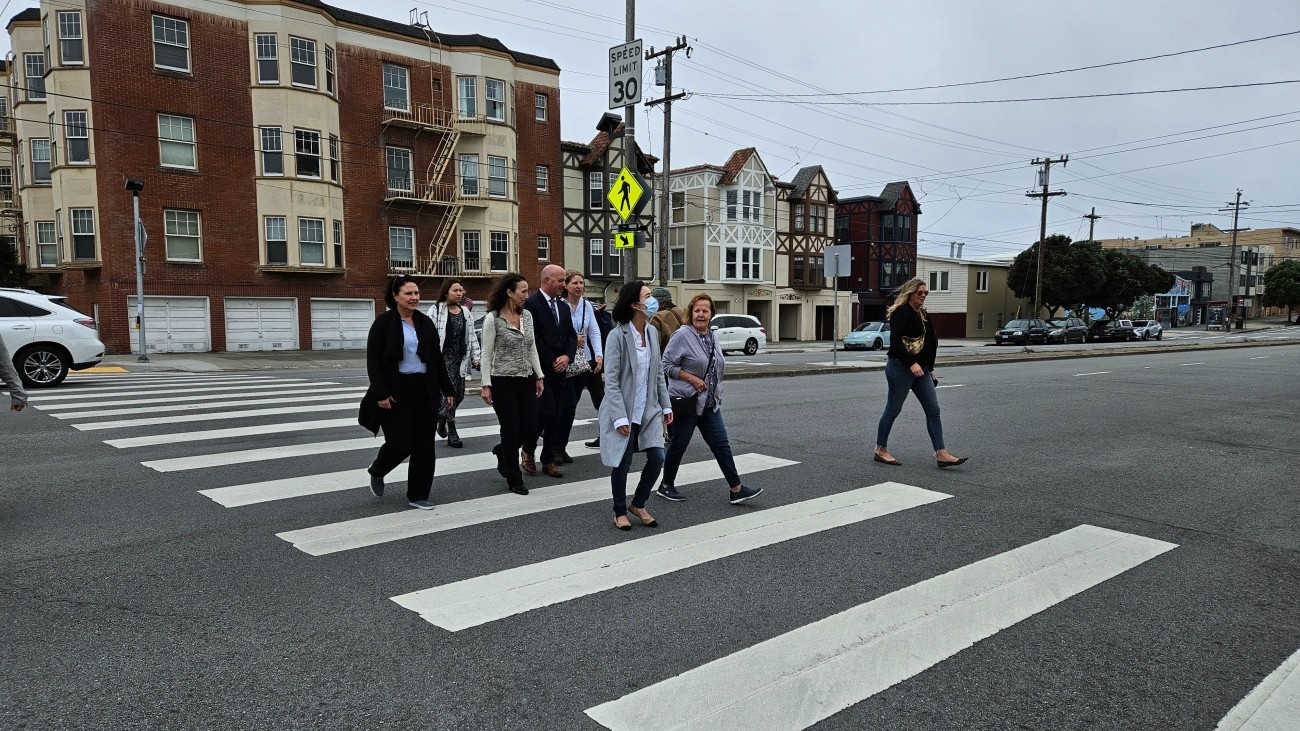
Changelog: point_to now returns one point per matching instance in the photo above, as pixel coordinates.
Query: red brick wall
(539, 144)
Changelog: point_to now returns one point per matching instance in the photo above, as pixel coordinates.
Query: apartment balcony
(420, 117)
(481, 125)
(452, 266)
(465, 193)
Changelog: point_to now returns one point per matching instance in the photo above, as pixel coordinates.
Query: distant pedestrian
(590, 342)
(693, 364)
(460, 349)
(912, 349)
(513, 379)
(636, 407)
(669, 317)
(409, 382)
(9, 375)
(557, 345)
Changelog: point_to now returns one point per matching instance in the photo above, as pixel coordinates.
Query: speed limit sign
(625, 74)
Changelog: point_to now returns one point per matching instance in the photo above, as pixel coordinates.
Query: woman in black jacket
(912, 348)
(409, 382)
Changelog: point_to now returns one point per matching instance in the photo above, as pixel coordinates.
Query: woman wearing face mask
(460, 350)
(636, 407)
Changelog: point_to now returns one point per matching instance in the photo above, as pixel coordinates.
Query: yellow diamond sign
(625, 193)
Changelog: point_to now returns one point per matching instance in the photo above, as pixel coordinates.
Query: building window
(338, 243)
(938, 281)
(979, 321)
(539, 107)
(750, 261)
(496, 176)
(182, 232)
(311, 241)
(399, 169)
(893, 274)
(817, 271)
(752, 206)
(496, 100)
(34, 63)
(4, 117)
(895, 227)
(543, 247)
(268, 58)
(678, 201)
(467, 94)
(277, 241)
(401, 247)
(397, 92)
(47, 249)
(731, 204)
(469, 251)
(76, 138)
(677, 263)
(543, 179)
(796, 270)
(842, 229)
(306, 153)
(469, 175)
(329, 71)
(83, 234)
(70, 49)
(595, 191)
(272, 151)
(6, 187)
(614, 262)
(40, 162)
(302, 62)
(798, 217)
(58, 228)
(596, 256)
(171, 43)
(981, 283)
(817, 218)
(334, 158)
(500, 251)
(176, 141)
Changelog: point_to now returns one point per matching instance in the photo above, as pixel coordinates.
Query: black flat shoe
(518, 489)
(893, 462)
(960, 460)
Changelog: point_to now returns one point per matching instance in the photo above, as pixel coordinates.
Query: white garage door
(261, 323)
(172, 325)
(341, 324)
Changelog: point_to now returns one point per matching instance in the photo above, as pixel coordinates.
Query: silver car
(1147, 329)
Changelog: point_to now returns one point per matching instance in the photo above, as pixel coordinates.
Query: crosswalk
(268, 440)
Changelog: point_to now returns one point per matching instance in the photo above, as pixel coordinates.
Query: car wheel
(877, 344)
(1160, 335)
(42, 366)
(751, 346)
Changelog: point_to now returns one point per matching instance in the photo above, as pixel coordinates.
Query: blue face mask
(651, 307)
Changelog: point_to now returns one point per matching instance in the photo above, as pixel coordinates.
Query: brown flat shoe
(959, 460)
(644, 515)
(882, 460)
(528, 464)
(622, 523)
(551, 469)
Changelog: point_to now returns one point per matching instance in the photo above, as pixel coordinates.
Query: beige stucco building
(969, 298)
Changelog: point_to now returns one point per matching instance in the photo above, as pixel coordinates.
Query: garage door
(261, 323)
(341, 324)
(172, 324)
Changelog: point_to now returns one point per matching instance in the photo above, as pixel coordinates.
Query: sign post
(625, 74)
(840, 257)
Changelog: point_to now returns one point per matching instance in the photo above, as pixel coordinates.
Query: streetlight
(135, 185)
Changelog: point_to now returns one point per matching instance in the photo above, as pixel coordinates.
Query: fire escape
(428, 188)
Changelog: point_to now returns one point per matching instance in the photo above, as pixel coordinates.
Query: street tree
(1127, 279)
(12, 272)
(1058, 275)
(1282, 286)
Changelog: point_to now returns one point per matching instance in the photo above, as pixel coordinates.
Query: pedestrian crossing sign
(627, 194)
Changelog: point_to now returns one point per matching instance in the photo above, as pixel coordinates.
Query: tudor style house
(805, 224)
(590, 221)
(882, 231)
(294, 155)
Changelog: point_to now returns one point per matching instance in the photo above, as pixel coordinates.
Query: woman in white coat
(636, 407)
(457, 323)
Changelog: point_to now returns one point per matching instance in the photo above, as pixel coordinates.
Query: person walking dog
(912, 349)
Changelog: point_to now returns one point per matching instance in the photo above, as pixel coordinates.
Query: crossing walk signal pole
(1043, 176)
(629, 135)
(665, 190)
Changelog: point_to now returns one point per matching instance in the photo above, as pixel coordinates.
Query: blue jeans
(714, 432)
(901, 381)
(654, 461)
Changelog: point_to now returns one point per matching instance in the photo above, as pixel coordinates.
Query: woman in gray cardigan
(693, 363)
(636, 407)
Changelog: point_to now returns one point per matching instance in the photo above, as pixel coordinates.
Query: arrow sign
(627, 194)
(625, 240)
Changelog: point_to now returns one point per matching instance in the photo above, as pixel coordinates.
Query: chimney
(960, 244)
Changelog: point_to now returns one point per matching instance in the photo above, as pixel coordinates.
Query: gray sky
(968, 163)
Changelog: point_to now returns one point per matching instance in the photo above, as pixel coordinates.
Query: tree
(1127, 279)
(1282, 286)
(1058, 277)
(12, 273)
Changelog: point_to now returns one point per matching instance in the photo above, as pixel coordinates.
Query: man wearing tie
(557, 344)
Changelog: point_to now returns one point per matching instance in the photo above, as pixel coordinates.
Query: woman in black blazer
(409, 383)
(912, 349)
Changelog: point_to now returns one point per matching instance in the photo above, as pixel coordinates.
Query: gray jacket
(686, 352)
(620, 367)
(9, 376)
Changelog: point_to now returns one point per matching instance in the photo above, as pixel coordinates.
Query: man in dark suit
(557, 343)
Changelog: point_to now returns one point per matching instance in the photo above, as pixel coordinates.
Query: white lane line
(363, 532)
(1274, 704)
(1094, 373)
(809, 674)
(343, 393)
(1259, 357)
(248, 431)
(237, 496)
(1190, 364)
(222, 398)
(80, 395)
(263, 454)
(220, 416)
(488, 598)
(121, 379)
(952, 385)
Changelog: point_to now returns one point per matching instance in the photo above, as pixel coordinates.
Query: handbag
(915, 344)
(684, 405)
(579, 364)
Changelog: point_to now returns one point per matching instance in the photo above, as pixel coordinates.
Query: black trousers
(514, 399)
(593, 383)
(410, 430)
(555, 417)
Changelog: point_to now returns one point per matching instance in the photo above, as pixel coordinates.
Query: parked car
(739, 332)
(874, 335)
(46, 337)
(1146, 329)
(1022, 332)
(1111, 330)
(1067, 330)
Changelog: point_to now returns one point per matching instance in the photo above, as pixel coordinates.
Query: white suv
(739, 332)
(46, 337)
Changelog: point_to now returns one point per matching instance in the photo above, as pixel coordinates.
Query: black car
(1022, 332)
(1067, 330)
(1110, 330)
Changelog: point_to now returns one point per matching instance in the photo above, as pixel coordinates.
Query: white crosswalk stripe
(233, 398)
(346, 392)
(171, 389)
(1274, 705)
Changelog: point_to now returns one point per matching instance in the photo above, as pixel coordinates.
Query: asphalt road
(132, 601)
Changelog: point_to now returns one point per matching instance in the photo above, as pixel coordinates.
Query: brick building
(882, 231)
(293, 156)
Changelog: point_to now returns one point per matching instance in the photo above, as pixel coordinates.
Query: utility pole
(1043, 176)
(629, 134)
(1092, 222)
(665, 205)
(1233, 305)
